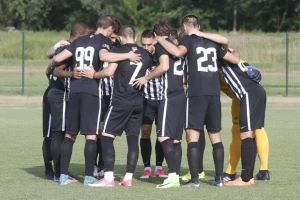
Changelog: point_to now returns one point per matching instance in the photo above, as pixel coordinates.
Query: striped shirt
(237, 79)
(154, 88)
(107, 83)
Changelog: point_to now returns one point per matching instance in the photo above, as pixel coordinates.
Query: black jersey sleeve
(185, 41)
(61, 49)
(106, 44)
(159, 51)
(221, 51)
(71, 47)
(115, 50)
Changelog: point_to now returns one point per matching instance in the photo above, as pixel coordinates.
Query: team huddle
(103, 84)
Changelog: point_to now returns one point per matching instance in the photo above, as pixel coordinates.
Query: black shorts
(46, 115)
(171, 117)
(58, 102)
(105, 102)
(123, 118)
(150, 111)
(202, 110)
(83, 114)
(252, 110)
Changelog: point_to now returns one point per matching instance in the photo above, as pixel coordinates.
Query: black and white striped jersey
(107, 83)
(201, 61)
(236, 77)
(153, 89)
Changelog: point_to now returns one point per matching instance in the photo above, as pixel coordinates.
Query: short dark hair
(106, 21)
(78, 28)
(118, 26)
(190, 20)
(174, 35)
(127, 31)
(162, 28)
(147, 34)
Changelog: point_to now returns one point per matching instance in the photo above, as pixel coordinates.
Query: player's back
(126, 72)
(236, 77)
(85, 52)
(173, 78)
(202, 56)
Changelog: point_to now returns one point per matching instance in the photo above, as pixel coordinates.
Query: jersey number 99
(84, 57)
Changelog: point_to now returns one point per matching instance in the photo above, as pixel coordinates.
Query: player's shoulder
(61, 49)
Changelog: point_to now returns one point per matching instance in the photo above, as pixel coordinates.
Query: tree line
(226, 15)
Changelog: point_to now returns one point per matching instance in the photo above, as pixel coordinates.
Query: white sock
(158, 167)
(128, 176)
(147, 168)
(109, 176)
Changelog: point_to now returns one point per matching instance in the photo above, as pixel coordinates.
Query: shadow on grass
(77, 170)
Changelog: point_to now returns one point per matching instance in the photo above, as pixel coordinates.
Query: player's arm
(229, 57)
(106, 56)
(106, 72)
(51, 51)
(59, 71)
(50, 68)
(162, 68)
(65, 54)
(171, 48)
(215, 37)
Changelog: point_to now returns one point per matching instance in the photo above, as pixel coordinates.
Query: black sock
(193, 160)
(57, 139)
(247, 156)
(146, 150)
(90, 150)
(46, 149)
(66, 149)
(99, 153)
(159, 153)
(169, 153)
(202, 144)
(254, 157)
(133, 153)
(218, 155)
(108, 153)
(178, 156)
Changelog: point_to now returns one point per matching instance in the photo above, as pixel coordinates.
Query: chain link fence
(276, 55)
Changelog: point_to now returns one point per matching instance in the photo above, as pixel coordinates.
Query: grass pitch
(22, 164)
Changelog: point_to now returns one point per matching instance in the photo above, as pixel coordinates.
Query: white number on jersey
(83, 55)
(176, 71)
(210, 67)
(136, 71)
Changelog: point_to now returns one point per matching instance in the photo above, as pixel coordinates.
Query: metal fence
(276, 55)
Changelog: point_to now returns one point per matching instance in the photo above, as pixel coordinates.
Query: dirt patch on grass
(21, 100)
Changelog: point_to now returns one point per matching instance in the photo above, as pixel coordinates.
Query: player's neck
(193, 31)
(102, 31)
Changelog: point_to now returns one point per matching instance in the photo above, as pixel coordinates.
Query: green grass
(266, 51)
(22, 166)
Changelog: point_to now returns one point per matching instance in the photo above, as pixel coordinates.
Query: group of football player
(102, 84)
